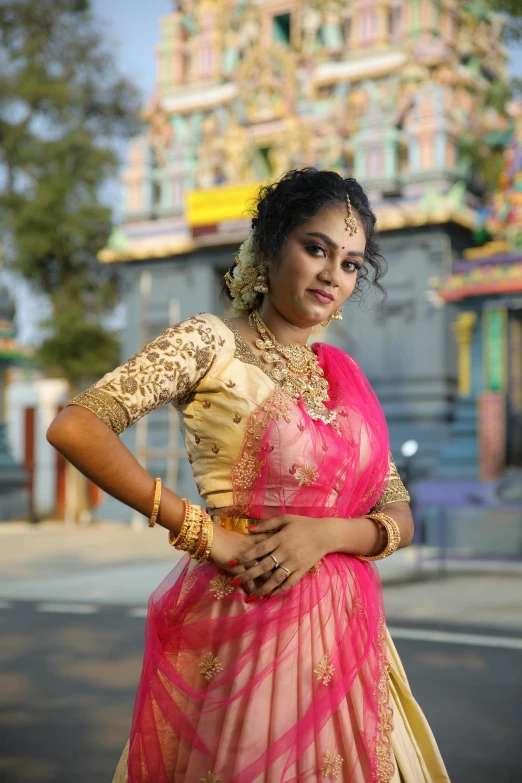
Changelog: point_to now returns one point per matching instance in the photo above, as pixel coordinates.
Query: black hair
(298, 196)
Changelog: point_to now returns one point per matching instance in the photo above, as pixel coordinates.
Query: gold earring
(349, 221)
(261, 284)
(337, 316)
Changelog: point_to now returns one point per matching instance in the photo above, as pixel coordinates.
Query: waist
(236, 524)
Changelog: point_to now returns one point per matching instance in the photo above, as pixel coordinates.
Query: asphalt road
(67, 682)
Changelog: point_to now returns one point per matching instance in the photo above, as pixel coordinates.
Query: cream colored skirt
(417, 757)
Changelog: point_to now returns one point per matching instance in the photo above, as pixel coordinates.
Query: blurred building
(480, 468)
(390, 91)
(13, 479)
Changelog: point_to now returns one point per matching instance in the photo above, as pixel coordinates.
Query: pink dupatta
(293, 688)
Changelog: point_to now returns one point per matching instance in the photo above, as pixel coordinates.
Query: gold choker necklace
(292, 362)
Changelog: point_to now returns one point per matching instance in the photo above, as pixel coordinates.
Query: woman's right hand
(228, 546)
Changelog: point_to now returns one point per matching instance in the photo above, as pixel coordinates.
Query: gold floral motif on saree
(306, 475)
(325, 670)
(332, 764)
(220, 586)
(210, 666)
(247, 468)
(383, 748)
(210, 777)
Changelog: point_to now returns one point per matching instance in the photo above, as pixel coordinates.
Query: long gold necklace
(296, 370)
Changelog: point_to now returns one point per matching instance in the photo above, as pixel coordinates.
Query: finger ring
(285, 569)
(275, 561)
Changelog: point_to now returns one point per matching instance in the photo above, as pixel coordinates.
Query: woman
(267, 656)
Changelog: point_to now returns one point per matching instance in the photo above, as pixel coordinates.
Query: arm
(86, 432)
(93, 448)
(363, 536)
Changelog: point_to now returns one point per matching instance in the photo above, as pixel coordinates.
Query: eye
(351, 266)
(312, 249)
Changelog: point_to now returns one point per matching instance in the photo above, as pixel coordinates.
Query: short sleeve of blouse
(166, 370)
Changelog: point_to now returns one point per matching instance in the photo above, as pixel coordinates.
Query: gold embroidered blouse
(205, 369)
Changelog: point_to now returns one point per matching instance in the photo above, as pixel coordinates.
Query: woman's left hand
(298, 544)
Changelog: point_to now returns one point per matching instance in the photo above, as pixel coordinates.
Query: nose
(331, 274)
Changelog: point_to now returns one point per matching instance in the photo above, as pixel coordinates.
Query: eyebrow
(333, 244)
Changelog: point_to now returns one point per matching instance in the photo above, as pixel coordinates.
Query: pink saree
(293, 688)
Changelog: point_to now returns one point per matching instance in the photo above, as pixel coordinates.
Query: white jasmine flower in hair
(247, 252)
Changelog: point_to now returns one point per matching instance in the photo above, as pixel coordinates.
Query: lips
(322, 296)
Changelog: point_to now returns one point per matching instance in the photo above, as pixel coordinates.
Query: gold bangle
(206, 553)
(392, 531)
(196, 534)
(175, 540)
(156, 504)
(206, 533)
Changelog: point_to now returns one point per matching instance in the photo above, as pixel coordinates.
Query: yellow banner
(227, 202)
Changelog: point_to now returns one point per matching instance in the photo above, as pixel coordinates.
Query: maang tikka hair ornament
(246, 279)
(349, 221)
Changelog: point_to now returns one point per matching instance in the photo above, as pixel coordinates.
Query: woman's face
(317, 270)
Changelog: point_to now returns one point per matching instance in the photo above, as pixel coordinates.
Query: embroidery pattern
(395, 491)
(315, 569)
(210, 777)
(383, 751)
(246, 469)
(325, 670)
(167, 369)
(237, 418)
(306, 475)
(332, 764)
(221, 586)
(243, 351)
(210, 666)
(107, 408)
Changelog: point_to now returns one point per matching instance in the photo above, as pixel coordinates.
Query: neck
(283, 330)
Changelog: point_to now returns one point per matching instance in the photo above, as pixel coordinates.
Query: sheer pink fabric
(293, 688)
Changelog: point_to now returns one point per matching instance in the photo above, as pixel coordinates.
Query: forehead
(331, 221)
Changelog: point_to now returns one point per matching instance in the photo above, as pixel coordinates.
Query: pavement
(72, 608)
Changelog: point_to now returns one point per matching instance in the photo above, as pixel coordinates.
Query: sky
(132, 27)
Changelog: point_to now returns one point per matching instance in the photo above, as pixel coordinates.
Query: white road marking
(67, 608)
(138, 611)
(450, 637)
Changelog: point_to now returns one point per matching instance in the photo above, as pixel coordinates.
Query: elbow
(408, 532)
(57, 431)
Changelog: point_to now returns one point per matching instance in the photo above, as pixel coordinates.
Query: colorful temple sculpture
(390, 91)
(13, 479)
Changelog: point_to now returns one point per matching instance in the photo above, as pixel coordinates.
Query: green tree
(513, 10)
(63, 105)
(63, 109)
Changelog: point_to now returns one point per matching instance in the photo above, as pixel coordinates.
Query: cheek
(295, 269)
(348, 285)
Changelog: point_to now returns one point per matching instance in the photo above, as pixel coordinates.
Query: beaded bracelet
(156, 504)
(392, 531)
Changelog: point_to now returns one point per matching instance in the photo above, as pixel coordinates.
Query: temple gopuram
(389, 91)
